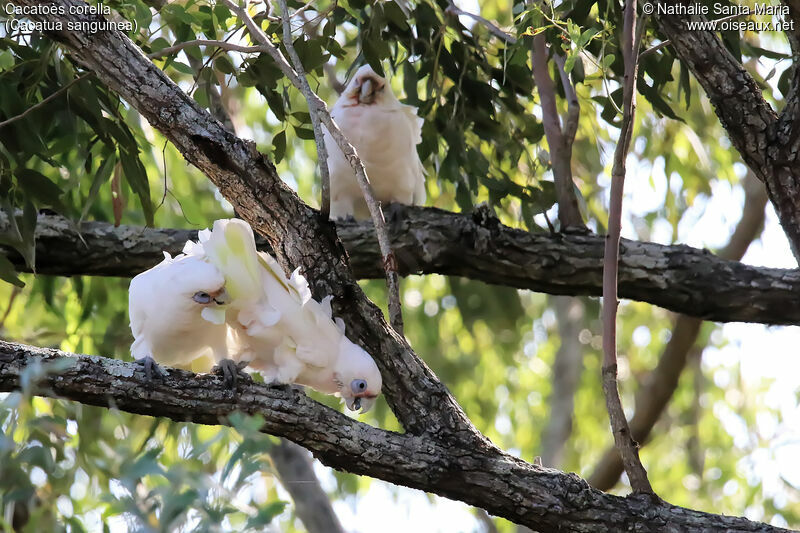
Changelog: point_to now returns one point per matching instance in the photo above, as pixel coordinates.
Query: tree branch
(296, 474)
(567, 369)
(431, 241)
(546, 500)
(769, 145)
(313, 111)
(295, 232)
(657, 389)
(626, 445)
(233, 47)
(560, 144)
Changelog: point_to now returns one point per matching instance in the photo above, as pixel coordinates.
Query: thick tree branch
(296, 233)
(770, 145)
(544, 499)
(428, 241)
(657, 389)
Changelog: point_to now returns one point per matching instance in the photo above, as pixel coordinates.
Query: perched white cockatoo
(174, 312)
(280, 329)
(385, 133)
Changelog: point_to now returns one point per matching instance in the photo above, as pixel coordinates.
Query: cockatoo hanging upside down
(223, 298)
(385, 134)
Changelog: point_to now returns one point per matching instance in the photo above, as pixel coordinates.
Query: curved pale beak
(221, 297)
(367, 93)
(364, 403)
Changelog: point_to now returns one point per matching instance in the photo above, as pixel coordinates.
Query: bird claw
(151, 369)
(231, 372)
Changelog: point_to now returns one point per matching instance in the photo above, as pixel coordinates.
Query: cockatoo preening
(279, 328)
(174, 312)
(385, 134)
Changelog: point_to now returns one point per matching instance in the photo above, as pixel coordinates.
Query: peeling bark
(427, 240)
(544, 499)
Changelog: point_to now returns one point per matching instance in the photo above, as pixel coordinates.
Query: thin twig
(313, 111)
(50, 98)
(453, 9)
(206, 42)
(627, 447)
(573, 106)
(11, 299)
(389, 261)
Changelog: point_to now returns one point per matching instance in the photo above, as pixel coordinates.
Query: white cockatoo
(279, 328)
(385, 133)
(175, 313)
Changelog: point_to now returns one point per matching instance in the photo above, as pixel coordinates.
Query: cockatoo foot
(394, 212)
(231, 372)
(151, 369)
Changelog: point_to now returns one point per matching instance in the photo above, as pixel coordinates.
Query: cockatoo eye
(358, 386)
(201, 297)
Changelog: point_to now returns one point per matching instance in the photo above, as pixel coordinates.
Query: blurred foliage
(88, 155)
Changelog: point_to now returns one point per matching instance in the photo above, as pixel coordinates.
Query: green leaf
(279, 146)
(136, 176)
(304, 133)
(39, 188)
(8, 273)
(265, 515)
(102, 176)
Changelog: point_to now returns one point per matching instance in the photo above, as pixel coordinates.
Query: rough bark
(295, 231)
(767, 142)
(427, 241)
(544, 499)
(657, 389)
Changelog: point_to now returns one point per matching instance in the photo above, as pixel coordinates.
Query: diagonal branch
(544, 499)
(769, 145)
(626, 446)
(431, 241)
(313, 111)
(294, 231)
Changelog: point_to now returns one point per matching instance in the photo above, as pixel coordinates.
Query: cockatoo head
(367, 88)
(357, 377)
(201, 286)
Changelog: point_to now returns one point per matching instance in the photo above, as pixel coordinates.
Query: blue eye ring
(358, 386)
(202, 297)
